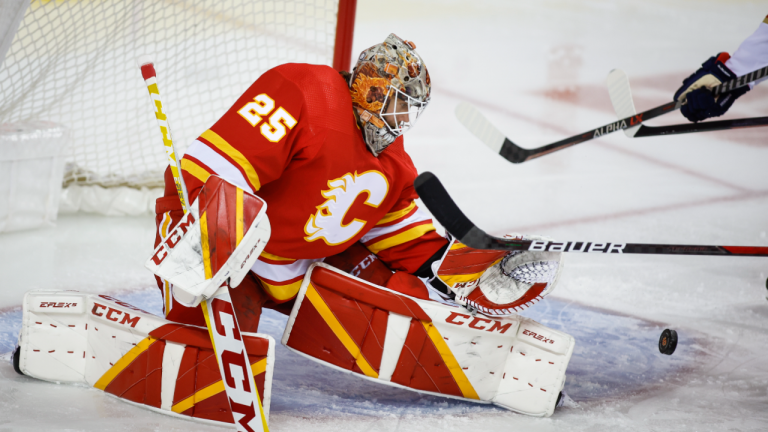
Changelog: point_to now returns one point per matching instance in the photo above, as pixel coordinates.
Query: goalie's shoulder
(324, 91)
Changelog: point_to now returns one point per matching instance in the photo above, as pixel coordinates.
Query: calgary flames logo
(326, 223)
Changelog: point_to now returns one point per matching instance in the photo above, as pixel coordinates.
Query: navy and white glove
(701, 104)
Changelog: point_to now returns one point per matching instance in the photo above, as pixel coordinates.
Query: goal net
(74, 63)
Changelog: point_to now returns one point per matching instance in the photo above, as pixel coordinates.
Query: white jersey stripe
(284, 272)
(221, 166)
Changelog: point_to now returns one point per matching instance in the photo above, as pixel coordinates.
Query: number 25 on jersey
(279, 122)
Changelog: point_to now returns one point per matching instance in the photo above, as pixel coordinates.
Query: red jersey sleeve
(253, 142)
(405, 237)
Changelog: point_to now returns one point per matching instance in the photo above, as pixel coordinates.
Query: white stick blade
(475, 122)
(621, 97)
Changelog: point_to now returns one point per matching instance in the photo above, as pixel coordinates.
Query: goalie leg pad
(97, 340)
(426, 346)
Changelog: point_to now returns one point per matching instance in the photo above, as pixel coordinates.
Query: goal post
(72, 62)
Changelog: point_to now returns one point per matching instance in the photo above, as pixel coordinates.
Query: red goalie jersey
(292, 139)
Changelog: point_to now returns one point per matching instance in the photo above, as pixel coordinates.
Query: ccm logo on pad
(477, 323)
(542, 245)
(537, 336)
(173, 238)
(114, 314)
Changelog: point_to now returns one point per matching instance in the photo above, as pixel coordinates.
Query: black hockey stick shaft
(516, 154)
(444, 209)
(648, 131)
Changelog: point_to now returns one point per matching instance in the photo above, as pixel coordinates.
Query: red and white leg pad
(426, 346)
(171, 368)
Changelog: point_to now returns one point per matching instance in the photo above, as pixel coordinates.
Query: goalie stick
(220, 318)
(621, 97)
(445, 210)
(476, 122)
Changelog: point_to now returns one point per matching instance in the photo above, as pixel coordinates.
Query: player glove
(499, 283)
(701, 104)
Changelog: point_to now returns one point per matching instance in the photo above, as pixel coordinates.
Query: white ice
(536, 69)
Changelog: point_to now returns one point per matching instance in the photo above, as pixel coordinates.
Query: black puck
(16, 358)
(668, 342)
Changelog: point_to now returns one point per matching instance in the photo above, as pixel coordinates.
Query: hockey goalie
(303, 202)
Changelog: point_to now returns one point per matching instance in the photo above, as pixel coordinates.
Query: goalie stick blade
(449, 215)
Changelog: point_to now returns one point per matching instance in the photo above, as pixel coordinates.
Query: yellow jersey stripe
(124, 361)
(238, 217)
(453, 366)
(212, 390)
(205, 245)
(389, 217)
(401, 238)
(339, 331)
(220, 143)
(196, 170)
(282, 292)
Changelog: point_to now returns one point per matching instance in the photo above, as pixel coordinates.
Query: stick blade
(472, 119)
(621, 97)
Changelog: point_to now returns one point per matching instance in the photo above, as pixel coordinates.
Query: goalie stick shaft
(473, 120)
(150, 79)
(445, 210)
(220, 318)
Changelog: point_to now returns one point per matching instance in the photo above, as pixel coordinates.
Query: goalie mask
(390, 88)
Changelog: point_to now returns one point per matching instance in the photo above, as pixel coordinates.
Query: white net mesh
(74, 63)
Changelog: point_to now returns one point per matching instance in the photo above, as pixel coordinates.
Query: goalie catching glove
(498, 283)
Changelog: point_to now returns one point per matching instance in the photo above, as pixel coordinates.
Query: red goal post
(72, 62)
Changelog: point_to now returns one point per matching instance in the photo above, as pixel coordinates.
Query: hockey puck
(668, 342)
(16, 358)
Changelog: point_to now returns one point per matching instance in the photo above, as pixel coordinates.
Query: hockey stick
(476, 122)
(621, 98)
(220, 318)
(445, 210)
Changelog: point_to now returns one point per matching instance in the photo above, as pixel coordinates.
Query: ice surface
(536, 70)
